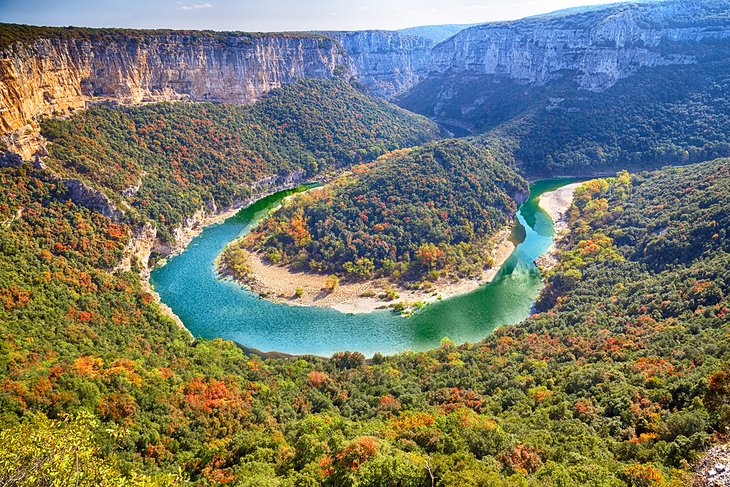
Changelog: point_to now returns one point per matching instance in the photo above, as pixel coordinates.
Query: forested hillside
(413, 214)
(573, 93)
(621, 380)
(168, 160)
(684, 120)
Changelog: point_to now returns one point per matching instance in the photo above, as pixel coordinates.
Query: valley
(474, 254)
(211, 307)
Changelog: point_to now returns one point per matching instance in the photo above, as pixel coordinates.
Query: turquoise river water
(211, 307)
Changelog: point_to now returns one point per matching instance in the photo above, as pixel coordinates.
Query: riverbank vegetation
(166, 161)
(413, 215)
(620, 379)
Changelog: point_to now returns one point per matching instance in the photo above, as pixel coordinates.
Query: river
(211, 307)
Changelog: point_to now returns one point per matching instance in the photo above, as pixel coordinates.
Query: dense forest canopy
(413, 214)
(168, 160)
(618, 381)
(621, 377)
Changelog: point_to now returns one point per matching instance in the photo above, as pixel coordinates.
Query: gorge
(211, 307)
(125, 159)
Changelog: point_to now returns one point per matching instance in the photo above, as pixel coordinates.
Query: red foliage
(654, 367)
(523, 459)
(454, 398)
(213, 396)
(317, 379)
(358, 452)
(117, 407)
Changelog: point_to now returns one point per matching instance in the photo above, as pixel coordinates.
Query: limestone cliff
(387, 62)
(57, 74)
(596, 46)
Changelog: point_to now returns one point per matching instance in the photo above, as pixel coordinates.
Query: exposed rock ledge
(144, 239)
(714, 469)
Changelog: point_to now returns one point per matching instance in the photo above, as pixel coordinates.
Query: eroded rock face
(50, 76)
(93, 199)
(597, 47)
(387, 62)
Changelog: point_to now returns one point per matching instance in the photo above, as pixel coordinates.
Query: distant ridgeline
(655, 74)
(597, 89)
(165, 162)
(413, 214)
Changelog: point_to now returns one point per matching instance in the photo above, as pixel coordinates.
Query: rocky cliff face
(387, 62)
(55, 75)
(597, 47)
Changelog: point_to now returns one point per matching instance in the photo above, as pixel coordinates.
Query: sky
(273, 15)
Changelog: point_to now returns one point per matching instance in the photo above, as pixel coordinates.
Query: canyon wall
(387, 62)
(596, 46)
(54, 75)
(52, 72)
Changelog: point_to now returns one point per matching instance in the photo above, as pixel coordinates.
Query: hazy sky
(273, 15)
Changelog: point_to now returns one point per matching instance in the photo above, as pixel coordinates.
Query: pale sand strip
(279, 284)
(556, 204)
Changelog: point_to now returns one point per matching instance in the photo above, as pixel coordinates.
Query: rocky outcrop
(596, 47)
(54, 75)
(387, 62)
(139, 248)
(714, 469)
(83, 195)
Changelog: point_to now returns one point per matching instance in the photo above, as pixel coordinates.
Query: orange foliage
(298, 231)
(317, 379)
(429, 255)
(412, 422)
(523, 459)
(389, 403)
(643, 475)
(358, 452)
(14, 297)
(213, 396)
(88, 366)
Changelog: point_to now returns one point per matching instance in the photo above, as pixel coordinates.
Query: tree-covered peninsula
(164, 162)
(413, 217)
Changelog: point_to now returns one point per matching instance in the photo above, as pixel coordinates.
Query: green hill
(415, 214)
(618, 381)
(168, 160)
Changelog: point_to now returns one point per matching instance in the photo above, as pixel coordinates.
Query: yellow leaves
(62, 452)
(88, 366)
